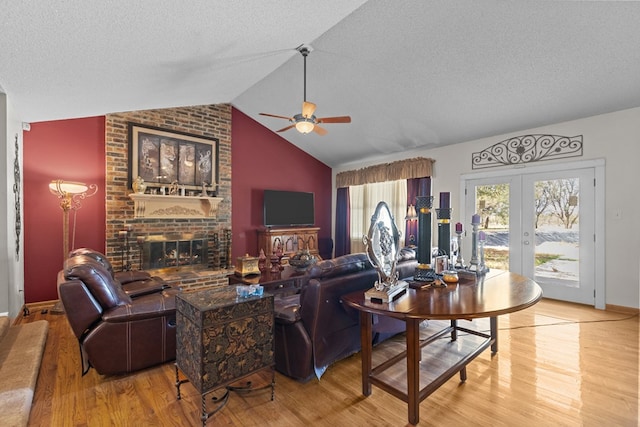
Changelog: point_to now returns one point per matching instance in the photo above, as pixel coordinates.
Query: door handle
(526, 242)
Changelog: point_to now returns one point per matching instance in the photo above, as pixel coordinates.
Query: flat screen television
(288, 208)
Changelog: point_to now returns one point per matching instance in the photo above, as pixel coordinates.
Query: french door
(541, 225)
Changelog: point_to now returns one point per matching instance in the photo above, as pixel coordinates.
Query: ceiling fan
(306, 122)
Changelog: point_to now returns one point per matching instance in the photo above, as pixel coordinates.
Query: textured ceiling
(411, 75)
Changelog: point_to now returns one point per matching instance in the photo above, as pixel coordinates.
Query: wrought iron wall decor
(527, 149)
(16, 194)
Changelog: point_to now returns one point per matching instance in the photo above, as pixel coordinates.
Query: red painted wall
(261, 159)
(72, 150)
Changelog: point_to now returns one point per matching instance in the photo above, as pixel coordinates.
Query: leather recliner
(117, 333)
(134, 282)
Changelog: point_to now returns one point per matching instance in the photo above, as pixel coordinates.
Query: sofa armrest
(80, 306)
(145, 307)
(333, 329)
(287, 309)
(125, 277)
(143, 287)
(310, 305)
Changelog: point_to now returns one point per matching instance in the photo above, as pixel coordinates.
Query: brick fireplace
(213, 233)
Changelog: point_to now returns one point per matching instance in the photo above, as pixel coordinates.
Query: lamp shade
(411, 213)
(60, 187)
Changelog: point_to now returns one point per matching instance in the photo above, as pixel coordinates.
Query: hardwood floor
(558, 364)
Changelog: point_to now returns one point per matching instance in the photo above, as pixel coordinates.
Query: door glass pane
(557, 232)
(492, 204)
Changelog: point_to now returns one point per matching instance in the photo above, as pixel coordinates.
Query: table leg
(493, 324)
(413, 369)
(179, 382)
(205, 414)
(273, 382)
(463, 374)
(366, 345)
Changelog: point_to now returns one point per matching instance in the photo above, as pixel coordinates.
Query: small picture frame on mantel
(162, 157)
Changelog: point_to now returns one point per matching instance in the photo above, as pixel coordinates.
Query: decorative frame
(527, 149)
(163, 157)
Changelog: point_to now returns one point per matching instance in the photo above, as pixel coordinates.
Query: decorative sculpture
(382, 249)
(138, 185)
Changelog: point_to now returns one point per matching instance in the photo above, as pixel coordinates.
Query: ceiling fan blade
(286, 128)
(320, 131)
(308, 108)
(276, 116)
(340, 119)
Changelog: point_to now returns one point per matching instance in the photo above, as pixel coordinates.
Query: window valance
(418, 167)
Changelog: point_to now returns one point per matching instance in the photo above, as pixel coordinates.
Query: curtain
(415, 187)
(343, 215)
(363, 200)
(400, 170)
(411, 230)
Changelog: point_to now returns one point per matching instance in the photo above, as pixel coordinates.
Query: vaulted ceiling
(414, 74)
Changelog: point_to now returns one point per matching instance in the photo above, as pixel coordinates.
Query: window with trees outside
(556, 207)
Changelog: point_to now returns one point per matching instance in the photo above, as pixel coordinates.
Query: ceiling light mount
(305, 49)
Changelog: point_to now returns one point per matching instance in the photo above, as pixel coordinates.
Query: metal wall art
(17, 183)
(527, 149)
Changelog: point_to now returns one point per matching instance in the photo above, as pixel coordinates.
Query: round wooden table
(498, 292)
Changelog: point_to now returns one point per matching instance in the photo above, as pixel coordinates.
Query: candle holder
(482, 268)
(444, 231)
(473, 264)
(459, 261)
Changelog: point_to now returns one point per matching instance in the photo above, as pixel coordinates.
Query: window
(363, 200)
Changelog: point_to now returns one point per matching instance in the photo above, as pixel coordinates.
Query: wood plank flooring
(558, 364)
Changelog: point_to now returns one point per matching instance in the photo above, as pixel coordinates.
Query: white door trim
(599, 171)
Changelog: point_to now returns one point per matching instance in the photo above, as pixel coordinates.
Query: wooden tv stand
(289, 240)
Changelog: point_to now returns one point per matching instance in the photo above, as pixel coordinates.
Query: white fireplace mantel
(158, 206)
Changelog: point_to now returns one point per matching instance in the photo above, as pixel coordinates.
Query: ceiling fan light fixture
(304, 125)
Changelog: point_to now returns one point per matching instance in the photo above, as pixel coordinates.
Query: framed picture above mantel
(163, 157)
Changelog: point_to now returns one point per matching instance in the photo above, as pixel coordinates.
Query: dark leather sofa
(314, 329)
(118, 331)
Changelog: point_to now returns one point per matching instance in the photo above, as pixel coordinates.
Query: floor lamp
(70, 195)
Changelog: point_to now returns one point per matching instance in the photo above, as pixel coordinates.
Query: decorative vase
(262, 260)
(138, 185)
(275, 264)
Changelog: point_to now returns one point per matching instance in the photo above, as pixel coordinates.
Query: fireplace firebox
(167, 251)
